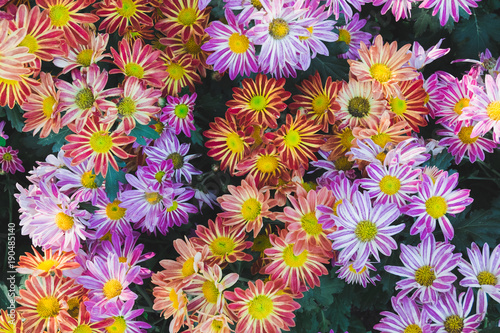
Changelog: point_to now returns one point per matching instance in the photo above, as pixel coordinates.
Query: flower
(120, 14)
(178, 113)
(449, 8)
(38, 265)
(339, 142)
(383, 131)
(11, 325)
(435, 199)
(427, 270)
(408, 317)
(123, 316)
(82, 323)
(109, 217)
(350, 275)
(193, 47)
(172, 302)
(181, 72)
(334, 6)
(364, 229)
(409, 105)
(420, 57)
(265, 165)
(9, 160)
(262, 308)
(231, 47)
(178, 213)
(351, 34)
(400, 9)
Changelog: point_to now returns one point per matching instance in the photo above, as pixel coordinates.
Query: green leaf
(56, 140)
(144, 131)
(474, 35)
(480, 226)
(330, 65)
(321, 296)
(441, 160)
(196, 137)
(15, 116)
(112, 179)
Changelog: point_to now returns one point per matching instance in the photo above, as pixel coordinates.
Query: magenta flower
(109, 217)
(178, 113)
(9, 160)
(400, 8)
(449, 8)
(124, 317)
(351, 276)
(351, 34)
(408, 317)
(420, 57)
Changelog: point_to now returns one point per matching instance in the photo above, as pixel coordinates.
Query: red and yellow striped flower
(265, 165)
(38, 265)
(122, 14)
(82, 323)
(181, 72)
(9, 324)
(192, 47)
(410, 106)
(339, 142)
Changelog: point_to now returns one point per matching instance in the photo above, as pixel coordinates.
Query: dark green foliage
(112, 179)
(144, 131)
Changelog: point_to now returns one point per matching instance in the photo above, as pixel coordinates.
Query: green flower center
(222, 245)
(258, 103)
(128, 9)
(320, 104)
(235, 143)
(175, 71)
(390, 185)
(115, 212)
(187, 16)
(101, 142)
(126, 107)
(135, 70)
(84, 99)
(398, 106)
(292, 138)
(260, 307)
(59, 15)
(181, 110)
(7, 157)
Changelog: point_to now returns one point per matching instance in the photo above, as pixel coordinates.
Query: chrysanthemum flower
(435, 199)
(359, 104)
(109, 217)
(246, 206)
(65, 15)
(435, 97)
(408, 317)
(226, 243)
(213, 324)
(259, 102)
(120, 14)
(351, 34)
(462, 143)
(97, 144)
(339, 142)
(383, 131)
(364, 229)
(82, 323)
(296, 269)
(421, 57)
(172, 302)
(12, 91)
(382, 65)
(427, 270)
(123, 318)
(9, 160)
(226, 142)
(449, 8)
(13, 56)
(140, 61)
(265, 165)
(181, 72)
(178, 213)
(351, 276)
(158, 173)
(483, 272)
(411, 105)
(43, 301)
(400, 9)
(231, 47)
(336, 5)
(183, 18)
(178, 113)
(409, 151)
(50, 262)
(262, 307)
(318, 101)
(14, 325)
(297, 141)
(391, 184)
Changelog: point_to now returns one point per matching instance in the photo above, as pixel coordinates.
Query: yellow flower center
(83, 329)
(465, 135)
(88, 180)
(181, 110)
(128, 9)
(343, 163)
(153, 197)
(344, 36)
(380, 72)
(217, 325)
(310, 224)
(462, 103)
(487, 278)
(210, 291)
(359, 107)
(7, 157)
(278, 28)
(63, 221)
(174, 206)
(260, 307)
(412, 328)
(398, 106)
(174, 299)
(292, 138)
(59, 15)
(222, 245)
(84, 58)
(267, 164)
(135, 70)
(381, 139)
(118, 326)
(346, 138)
(425, 276)
(126, 107)
(291, 259)
(46, 265)
(250, 209)
(352, 270)
(381, 156)
(31, 43)
(188, 267)
(175, 71)
(256, 4)
(187, 16)
(454, 324)
(177, 160)
(320, 104)
(238, 43)
(258, 103)
(73, 307)
(101, 142)
(112, 288)
(366, 231)
(159, 176)
(122, 259)
(115, 212)
(436, 206)
(159, 127)
(261, 242)
(48, 106)
(427, 98)
(235, 143)
(493, 110)
(48, 307)
(390, 185)
(192, 47)
(84, 99)
(13, 83)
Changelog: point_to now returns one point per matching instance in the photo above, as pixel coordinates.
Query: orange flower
(9, 324)
(383, 131)
(38, 265)
(192, 47)
(410, 106)
(121, 14)
(172, 302)
(265, 165)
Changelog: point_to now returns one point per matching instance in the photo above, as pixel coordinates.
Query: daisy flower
(391, 184)
(181, 72)
(82, 323)
(409, 106)
(344, 6)
(10, 324)
(383, 130)
(483, 272)
(297, 270)
(231, 47)
(382, 64)
(427, 270)
(178, 213)
(50, 263)
(265, 166)
(246, 206)
(158, 173)
(259, 101)
(408, 317)
(368, 151)
(120, 14)
(172, 302)
(462, 143)
(97, 144)
(79, 181)
(351, 276)
(12, 91)
(14, 57)
(364, 229)
(9, 160)
(44, 301)
(318, 102)
(449, 8)
(139, 61)
(109, 217)
(226, 243)
(123, 317)
(339, 142)
(351, 34)
(435, 97)
(214, 324)
(420, 57)
(193, 47)
(262, 307)
(178, 113)
(435, 199)
(409, 151)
